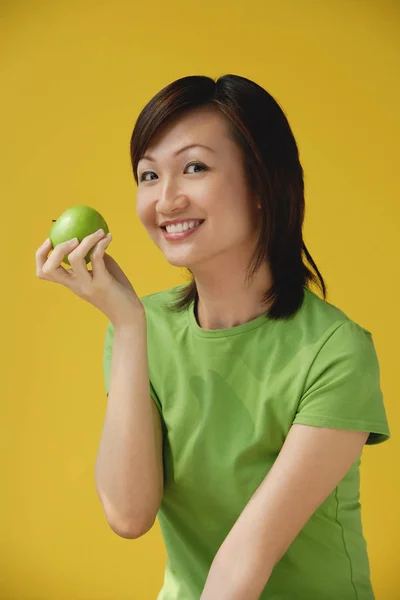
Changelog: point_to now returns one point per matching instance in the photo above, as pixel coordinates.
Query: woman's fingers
(50, 268)
(41, 256)
(97, 257)
(77, 257)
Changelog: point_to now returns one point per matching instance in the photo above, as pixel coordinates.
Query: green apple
(76, 222)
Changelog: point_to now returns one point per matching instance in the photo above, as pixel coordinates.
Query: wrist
(130, 323)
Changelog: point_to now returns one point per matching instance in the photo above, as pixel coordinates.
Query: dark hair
(260, 128)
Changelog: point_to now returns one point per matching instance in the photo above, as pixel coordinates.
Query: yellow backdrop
(73, 77)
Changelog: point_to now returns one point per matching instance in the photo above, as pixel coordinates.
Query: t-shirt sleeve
(342, 388)
(107, 359)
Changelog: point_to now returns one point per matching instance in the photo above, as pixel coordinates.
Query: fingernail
(99, 231)
(73, 241)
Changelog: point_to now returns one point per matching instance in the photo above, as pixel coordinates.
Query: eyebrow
(148, 157)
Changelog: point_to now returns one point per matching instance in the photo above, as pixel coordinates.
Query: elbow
(128, 528)
(130, 531)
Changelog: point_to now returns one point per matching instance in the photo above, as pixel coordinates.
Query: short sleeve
(342, 388)
(107, 359)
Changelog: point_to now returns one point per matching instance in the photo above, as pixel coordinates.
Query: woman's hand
(106, 287)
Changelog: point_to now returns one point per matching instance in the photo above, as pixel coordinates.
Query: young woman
(238, 403)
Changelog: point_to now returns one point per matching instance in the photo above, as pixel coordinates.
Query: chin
(185, 261)
(178, 263)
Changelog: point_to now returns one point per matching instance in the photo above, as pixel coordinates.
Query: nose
(170, 200)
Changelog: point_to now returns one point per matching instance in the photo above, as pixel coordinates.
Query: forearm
(245, 560)
(235, 580)
(127, 474)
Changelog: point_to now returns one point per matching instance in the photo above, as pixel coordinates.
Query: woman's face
(198, 184)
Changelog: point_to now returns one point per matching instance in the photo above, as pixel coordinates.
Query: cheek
(143, 211)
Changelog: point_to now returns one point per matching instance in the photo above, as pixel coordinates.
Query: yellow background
(73, 77)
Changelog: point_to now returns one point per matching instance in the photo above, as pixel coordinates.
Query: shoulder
(335, 344)
(158, 300)
(325, 319)
(326, 336)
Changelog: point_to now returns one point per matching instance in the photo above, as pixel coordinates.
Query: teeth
(182, 226)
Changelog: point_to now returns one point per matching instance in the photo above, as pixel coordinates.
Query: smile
(180, 235)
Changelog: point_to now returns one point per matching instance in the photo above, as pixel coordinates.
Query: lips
(186, 221)
(180, 235)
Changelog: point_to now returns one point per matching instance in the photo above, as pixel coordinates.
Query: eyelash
(188, 165)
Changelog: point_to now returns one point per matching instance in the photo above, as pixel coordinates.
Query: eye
(143, 175)
(194, 164)
(197, 164)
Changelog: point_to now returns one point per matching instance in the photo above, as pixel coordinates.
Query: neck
(225, 301)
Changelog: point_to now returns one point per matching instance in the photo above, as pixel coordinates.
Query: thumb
(115, 270)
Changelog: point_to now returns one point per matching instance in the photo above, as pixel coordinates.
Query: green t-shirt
(227, 400)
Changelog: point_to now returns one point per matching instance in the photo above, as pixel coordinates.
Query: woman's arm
(311, 463)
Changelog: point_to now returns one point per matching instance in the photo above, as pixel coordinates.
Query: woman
(239, 403)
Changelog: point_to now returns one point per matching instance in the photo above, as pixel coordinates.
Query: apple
(76, 222)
